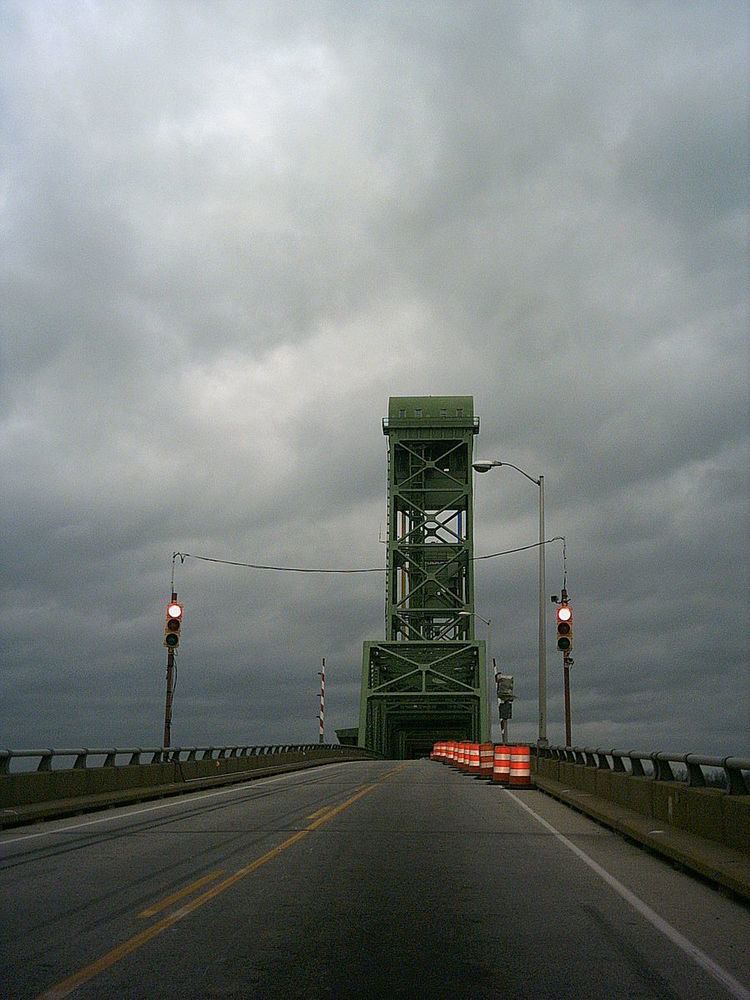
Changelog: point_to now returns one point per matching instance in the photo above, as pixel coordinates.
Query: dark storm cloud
(230, 232)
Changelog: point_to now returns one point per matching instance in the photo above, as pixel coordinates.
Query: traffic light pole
(566, 682)
(171, 632)
(170, 695)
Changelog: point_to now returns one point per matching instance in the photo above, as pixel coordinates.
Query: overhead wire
(314, 569)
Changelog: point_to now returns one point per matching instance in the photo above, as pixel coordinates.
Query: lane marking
(67, 986)
(318, 812)
(732, 985)
(177, 801)
(180, 894)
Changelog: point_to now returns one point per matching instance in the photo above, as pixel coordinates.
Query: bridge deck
(367, 880)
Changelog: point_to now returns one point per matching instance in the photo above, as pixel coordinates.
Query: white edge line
(728, 981)
(177, 800)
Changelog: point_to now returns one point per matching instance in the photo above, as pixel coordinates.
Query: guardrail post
(109, 760)
(637, 766)
(736, 783)
(80, 761)
(695, 776)
(45, 761)
(662, 768)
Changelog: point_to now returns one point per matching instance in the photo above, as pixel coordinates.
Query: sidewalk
(724, 865)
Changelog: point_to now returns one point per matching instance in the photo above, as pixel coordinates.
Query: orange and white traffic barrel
(486, 755)
(501, 765)
(473, 763)
(520, 767)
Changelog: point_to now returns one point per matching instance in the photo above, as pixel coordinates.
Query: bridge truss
(427, 680)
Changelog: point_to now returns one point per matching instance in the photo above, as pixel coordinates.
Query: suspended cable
(522, 548)
(307, 569)
(278, 569)
(174, 557)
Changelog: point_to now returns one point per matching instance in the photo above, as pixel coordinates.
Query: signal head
(564, 629)
(172, 626)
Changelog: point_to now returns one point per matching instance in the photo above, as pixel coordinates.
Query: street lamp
(485, 467)
(488, 660)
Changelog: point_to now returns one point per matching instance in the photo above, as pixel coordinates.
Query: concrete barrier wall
(707, 812)
(32, 787)
(46, 786)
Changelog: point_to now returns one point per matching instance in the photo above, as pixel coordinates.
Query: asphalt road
(359, 880)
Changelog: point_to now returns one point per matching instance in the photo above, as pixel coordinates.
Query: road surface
(374, 879)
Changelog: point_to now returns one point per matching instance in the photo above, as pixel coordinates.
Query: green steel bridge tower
(427, 680)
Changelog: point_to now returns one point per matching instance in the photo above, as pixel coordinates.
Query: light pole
(488, 663)
(485, 467)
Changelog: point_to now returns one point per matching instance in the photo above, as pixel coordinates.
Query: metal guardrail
(164, 755)
(660, 765)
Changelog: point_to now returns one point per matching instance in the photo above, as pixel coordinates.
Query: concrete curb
(725, 866)
(38, 811)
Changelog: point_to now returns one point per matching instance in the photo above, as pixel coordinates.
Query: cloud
(229, 235)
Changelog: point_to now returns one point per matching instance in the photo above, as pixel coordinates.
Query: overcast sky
(231, 230)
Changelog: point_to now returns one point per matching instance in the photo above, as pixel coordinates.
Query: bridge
(404, 862)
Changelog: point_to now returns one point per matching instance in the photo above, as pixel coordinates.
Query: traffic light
(504, 687)
(172, 627)
(565, 628)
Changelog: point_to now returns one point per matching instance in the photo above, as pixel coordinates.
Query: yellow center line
(106, 961)
(187, 891)
(318, 812)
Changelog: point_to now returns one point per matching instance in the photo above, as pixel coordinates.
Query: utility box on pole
(427, 680)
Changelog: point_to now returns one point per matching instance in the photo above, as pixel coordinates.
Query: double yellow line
(106, 961)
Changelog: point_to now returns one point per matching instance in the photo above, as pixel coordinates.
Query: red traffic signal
(172, 626)
(565, 628)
